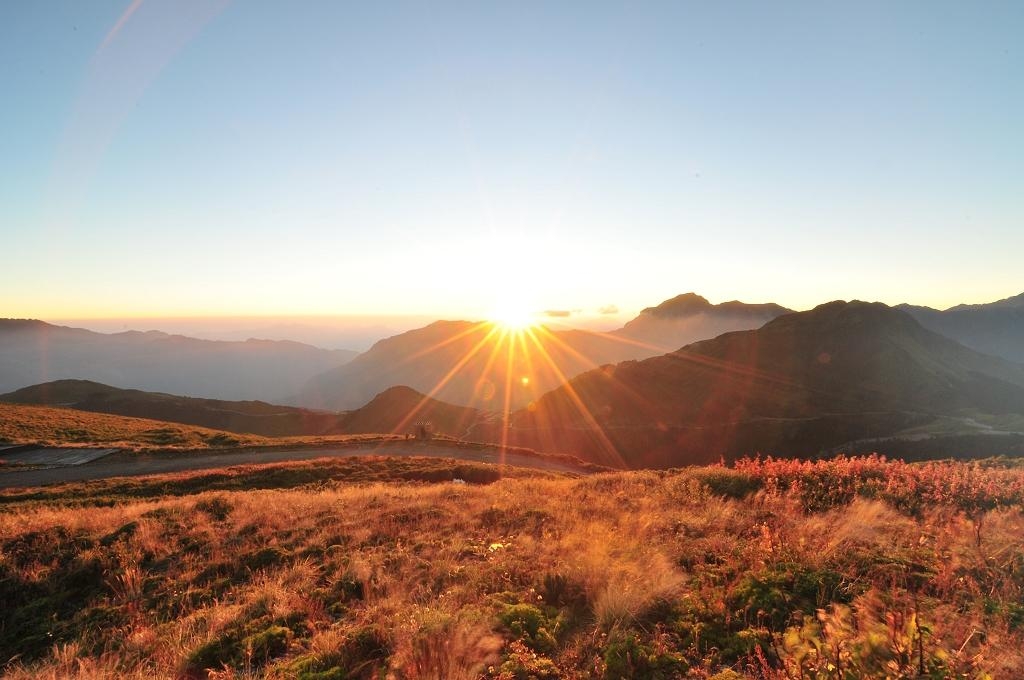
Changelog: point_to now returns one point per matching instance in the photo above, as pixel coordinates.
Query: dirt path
(132, 465)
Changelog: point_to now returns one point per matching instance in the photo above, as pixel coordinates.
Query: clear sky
(168, 157)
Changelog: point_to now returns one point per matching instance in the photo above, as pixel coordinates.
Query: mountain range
(803, 383)
(845, 376)
(33, 352)
(482, 365)
(995, 328)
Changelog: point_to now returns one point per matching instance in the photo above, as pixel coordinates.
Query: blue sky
(184, 158)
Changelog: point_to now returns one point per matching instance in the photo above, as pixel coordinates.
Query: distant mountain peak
(690, 304)
(681, 305)
(398, 392)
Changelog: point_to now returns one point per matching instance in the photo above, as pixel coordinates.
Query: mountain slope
(33, 351)
(802, 383)
(473, 364)
(396, 410)
(996, 328)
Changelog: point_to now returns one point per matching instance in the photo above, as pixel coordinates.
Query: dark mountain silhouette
(400, 409)
(995, 328)
(397, 410)
(34, 351)
(473, 364)
(801, 384)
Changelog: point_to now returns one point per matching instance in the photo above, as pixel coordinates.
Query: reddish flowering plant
(972, 488)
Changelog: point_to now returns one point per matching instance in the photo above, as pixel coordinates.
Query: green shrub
(522, 663)
(531, 625)
(363, 652)
(267, 644)
(775, 597)
(628, 657)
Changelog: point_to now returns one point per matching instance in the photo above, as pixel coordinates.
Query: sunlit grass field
(54, 426)
(844, 569)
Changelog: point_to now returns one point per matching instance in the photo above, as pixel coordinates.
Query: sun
(513, 316)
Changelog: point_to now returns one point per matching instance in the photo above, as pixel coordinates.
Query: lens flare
(513, 316)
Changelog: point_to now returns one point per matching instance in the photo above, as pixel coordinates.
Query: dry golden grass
(22, 424)
(52, 426)
(643, 574)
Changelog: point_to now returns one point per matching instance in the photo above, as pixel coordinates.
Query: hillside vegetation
(52, 426)
(853, 568)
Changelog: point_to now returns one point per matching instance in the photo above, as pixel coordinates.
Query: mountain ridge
(816, 379)
(33, 351)
(433, 359)
(995, 328)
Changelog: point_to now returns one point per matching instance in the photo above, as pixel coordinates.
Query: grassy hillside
(245, 417)
(52, 426)
(844, 569)
(22, 424)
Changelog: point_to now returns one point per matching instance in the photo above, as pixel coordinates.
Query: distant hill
(396, 410)
(803, 383)
(995, 328)
(472, 364)
(33, 352)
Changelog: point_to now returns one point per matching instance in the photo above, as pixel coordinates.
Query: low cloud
(557, 313)
(608, 309)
